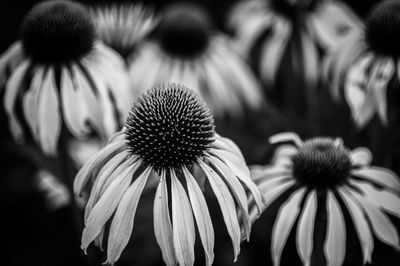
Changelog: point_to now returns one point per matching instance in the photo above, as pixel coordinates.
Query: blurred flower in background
(366, 66)
(185, 47)
(59, 72)
(321, 176)
(290, 37)
(168, 138)
(123, 26)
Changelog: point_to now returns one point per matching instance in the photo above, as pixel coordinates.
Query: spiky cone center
(293, 8)
(382, 31)
(322, 163)
(169, 127)
(57, 32)
(184, 31)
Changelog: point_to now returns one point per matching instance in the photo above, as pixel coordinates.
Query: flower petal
(381, 224)
(361, 156)
(122, 223)
(305, 228)
(49, 114)
(183, 224)
(106, 205)
(381, 176)
(162, 222)
(284, 222)
(335, 242)
(360, 223)
(202, 215)
(227, 205)
(286, 137)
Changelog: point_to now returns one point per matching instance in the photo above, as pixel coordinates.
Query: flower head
(185, 47)
(123, 27)
(60, 74)
(168, 140)
(322, 173)
(366, 66)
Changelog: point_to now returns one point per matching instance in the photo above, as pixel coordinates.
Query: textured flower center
(169, 126)
(184, 30)
(57, 31)
(293, 8)
(322, 163)
(382, 30)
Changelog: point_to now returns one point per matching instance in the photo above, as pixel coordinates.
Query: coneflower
(59, 73)
(322, 173)
(185, 47)
(169, 137)
(123, 27)
(366, 67)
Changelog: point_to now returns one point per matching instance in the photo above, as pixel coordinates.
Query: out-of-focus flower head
(60, 74)
(123, 26)
(168, 141)
(366, 66)
(266, 30)
(185, 47)
(320, 175)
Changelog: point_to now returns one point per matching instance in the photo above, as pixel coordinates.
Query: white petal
(106, 205)
(286, 137)
(284, 222)
(381, 224)
(122, 223)
(9, 59)
(202, 215)
(335, 242)
(227, 206)
(162, 222)
(12, 90)
(93, 165)
(305, 228)
(381, 176)
(383, 199)
(31, 102)
(360, 223)
(361, 156)
(49, 115)
(183, 224)
(273, 50)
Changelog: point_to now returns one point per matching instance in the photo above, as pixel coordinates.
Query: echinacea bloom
(123, 26)
(322, 173)
(168, 140)
(59, 73)
(367, 65)
(186, 48)
(301, 32)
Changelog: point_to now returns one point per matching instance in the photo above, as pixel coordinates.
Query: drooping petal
(381, 176)
(361, 156)
(335, 242)
(202, 215)
(162, 222)
(286, 217)
(9, 59)
(310, 63)
(381, 224)
(31, 102)
(49, 115)
(106, 205)
(184, 233)
(236, 188)
(93, 165)
(273, 50)
(122, 223)
(305, 228)
(382, 199)
(360, 223)
(227, 205)
(11, 92)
